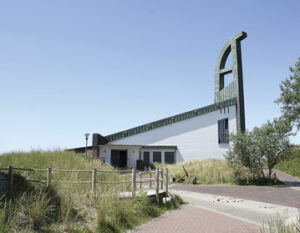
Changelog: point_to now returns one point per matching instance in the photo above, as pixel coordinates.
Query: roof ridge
(170, 120)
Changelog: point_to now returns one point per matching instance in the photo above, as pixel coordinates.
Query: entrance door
(147, 158)
(119, 158)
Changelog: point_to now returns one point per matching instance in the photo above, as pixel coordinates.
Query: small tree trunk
(270, 172)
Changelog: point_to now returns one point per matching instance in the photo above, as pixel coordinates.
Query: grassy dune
(70, 207)
(203, 171)
(291, 166)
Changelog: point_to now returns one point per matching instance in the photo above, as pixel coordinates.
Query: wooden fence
(160, 179)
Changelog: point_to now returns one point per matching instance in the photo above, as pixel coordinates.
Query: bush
(268, 145)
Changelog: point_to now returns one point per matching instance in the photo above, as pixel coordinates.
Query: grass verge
(291, 166)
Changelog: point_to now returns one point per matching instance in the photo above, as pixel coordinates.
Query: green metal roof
(170, 120)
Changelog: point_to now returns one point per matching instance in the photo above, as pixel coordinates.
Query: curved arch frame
(235, 88)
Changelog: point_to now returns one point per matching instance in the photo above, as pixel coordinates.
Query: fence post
(48, 176)
(221, 177)
(157, 184)
(94, 182)
(150, 175)
(162, 178)
(133, 182)
(140, 175)
(11, 177)
(167, 181)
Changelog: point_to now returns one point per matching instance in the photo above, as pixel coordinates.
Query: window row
(157, 157)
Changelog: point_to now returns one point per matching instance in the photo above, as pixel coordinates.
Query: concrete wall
(195, 138)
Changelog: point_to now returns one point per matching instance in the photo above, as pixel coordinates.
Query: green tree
(272, 142)
(244, 153)
(267, 144)
(290, 96)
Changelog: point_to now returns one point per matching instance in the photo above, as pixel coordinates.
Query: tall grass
(69, 207)
(117, 215)
(281, 224)
(203, 171)
(214, 171)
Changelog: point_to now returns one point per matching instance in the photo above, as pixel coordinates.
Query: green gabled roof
(170, 120)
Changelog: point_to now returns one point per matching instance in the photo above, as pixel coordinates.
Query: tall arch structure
(235, 88)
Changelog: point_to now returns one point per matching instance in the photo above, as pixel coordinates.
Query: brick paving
(280, 195)
(190, 219)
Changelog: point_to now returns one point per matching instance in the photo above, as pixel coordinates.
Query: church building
(199, 133)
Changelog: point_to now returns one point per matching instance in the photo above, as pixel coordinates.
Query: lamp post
(86, 142)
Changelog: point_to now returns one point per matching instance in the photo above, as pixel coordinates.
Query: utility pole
(86, 142)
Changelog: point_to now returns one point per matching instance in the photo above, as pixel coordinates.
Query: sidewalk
(287, 179)
(191, 219)
(211, 213)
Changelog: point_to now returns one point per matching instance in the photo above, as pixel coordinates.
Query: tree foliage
(267, 144)
(290, 96)
(244, 153)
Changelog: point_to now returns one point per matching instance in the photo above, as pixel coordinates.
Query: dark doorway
(147, 158)
(119, 158)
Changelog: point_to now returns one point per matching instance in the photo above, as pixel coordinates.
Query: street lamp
(86, 142)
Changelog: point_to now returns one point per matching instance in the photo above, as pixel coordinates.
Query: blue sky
(71, 67)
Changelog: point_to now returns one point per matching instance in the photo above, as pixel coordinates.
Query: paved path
(287, 179)
(280, 195)
(247, 210)
(191, 219)
(224, 208)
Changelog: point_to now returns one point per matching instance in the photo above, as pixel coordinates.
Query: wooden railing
(161, 177)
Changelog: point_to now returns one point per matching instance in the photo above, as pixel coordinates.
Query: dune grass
(202, 171)
(213, 171)
(62, 207)
(282, 224)
(291, 166)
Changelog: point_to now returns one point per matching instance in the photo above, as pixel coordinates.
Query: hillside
(69, 207)
(202, 171)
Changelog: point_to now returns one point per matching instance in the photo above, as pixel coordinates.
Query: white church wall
(196, 137)
(133, 156)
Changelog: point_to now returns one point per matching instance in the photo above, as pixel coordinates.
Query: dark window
(147, 158)
(169, 157)
(223, 131)
(157, 157)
